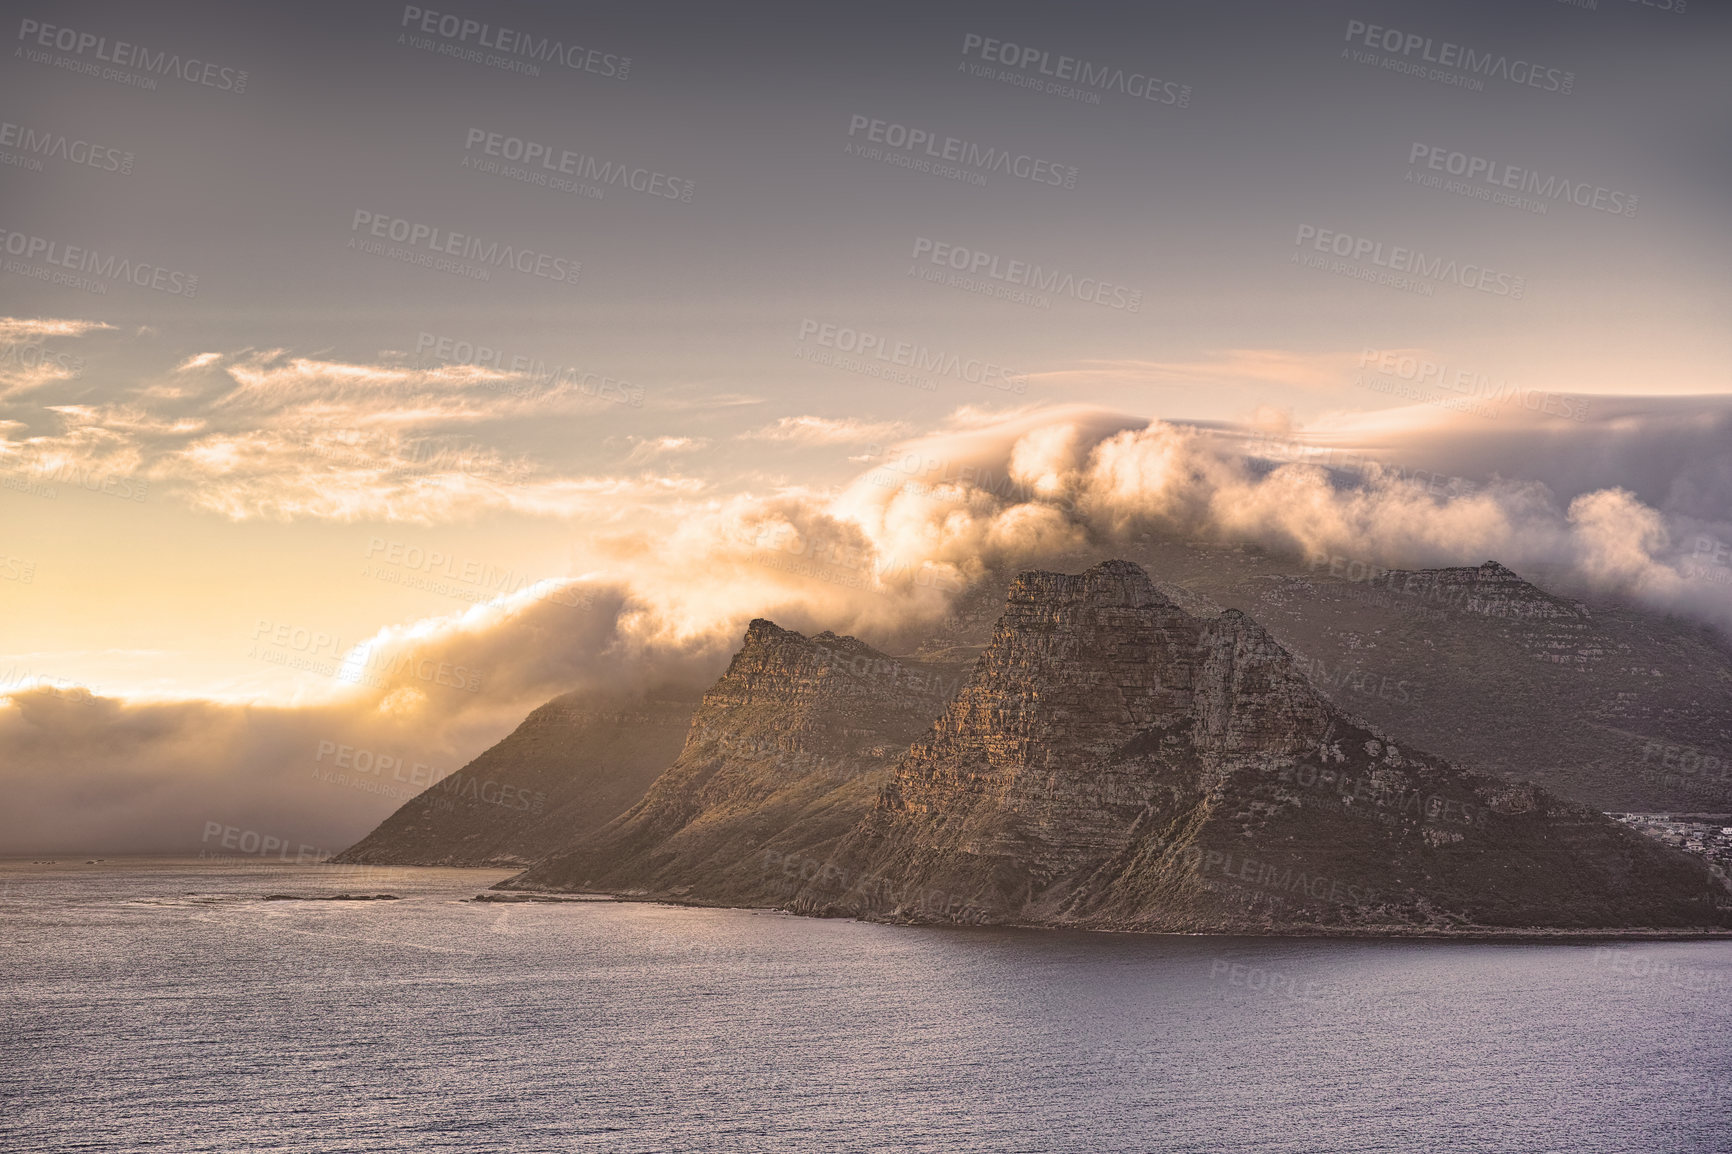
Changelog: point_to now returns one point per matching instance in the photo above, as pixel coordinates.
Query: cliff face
(1606, 704)
(1098, 703)
(573, 765)
(1114, 761)
(1611, 706)
(793, 742)
(1490, 590)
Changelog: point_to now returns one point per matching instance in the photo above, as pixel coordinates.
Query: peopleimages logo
(79, 259)
(554, 161)
(976, 263)
(190, 69)
(252, 843)
(14, 681)
(908, 354)
(1101, 77)
(1410, 261)
(32, 355)
(965, 154)
(460, 30)
(442, 242)
(1470, 383)
(1480, 170)
(489, 579)
(1448, 54)
(57, 145)
(538, 374)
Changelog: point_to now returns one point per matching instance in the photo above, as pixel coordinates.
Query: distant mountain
(798, 733)
(571, 766)
(1620, 708)
(1116, 762)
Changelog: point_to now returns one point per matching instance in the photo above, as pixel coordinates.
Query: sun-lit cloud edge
(676, 580)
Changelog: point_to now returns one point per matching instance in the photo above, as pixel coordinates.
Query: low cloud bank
(883, 557)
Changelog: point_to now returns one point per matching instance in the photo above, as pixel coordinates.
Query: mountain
(799, 733)
(1604, 703)
(1115, 761)
(571, 766)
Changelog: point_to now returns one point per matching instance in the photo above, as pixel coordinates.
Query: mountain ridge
(796, 732)
(571, 765)
(1111, 757)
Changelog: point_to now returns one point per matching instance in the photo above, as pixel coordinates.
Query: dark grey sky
(697, 348)
(1195, 207)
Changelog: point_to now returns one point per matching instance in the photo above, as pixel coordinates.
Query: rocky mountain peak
(762, 628)
(1112, 753)
(800, 731)
(1112, 761)
(1490, 590)
(1094, 690)
(1109, 583)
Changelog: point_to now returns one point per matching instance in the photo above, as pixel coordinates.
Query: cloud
(810, 430)
(40, 328)
(1674, 453)
(40, 351)
(84, 772)
(647, 449)
(267, 434)
(708, 401)
(1409, 488)
(1314, 372)
(681, 569)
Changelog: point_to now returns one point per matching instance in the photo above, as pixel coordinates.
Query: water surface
(165, 1006)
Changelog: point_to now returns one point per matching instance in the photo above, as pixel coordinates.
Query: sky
(375, 372)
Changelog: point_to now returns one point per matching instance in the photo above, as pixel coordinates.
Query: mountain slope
(1604, 703)
(799, 733)
(1115, 761)
(571, 766)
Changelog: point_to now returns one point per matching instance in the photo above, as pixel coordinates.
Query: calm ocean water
(165, 1006)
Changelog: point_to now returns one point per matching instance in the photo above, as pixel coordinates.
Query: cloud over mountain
(1631, 501)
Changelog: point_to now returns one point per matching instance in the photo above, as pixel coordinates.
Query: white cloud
(40, 351)
(810, 430)
(266, 434)
(1313, 372)
(647, 449)
(1615, 503)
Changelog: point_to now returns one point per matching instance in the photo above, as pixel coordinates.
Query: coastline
(1534, 935)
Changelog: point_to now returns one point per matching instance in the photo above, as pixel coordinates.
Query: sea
(229, 1006)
